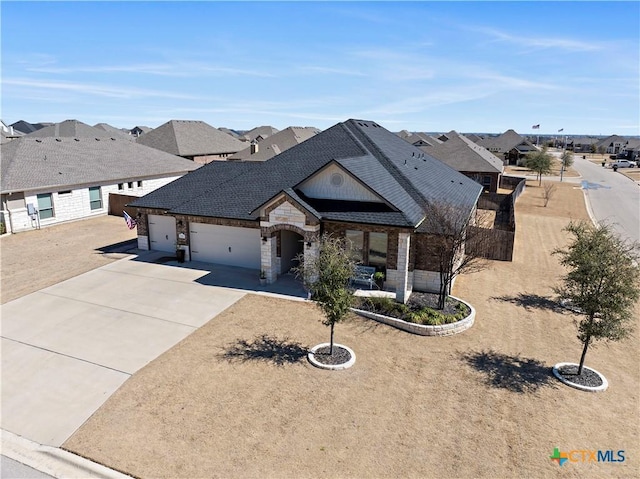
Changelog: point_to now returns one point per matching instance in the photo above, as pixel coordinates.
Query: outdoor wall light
(308, 244)
(264, 239)
(179, 222)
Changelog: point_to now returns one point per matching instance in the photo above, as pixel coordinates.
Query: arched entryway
(291, 245)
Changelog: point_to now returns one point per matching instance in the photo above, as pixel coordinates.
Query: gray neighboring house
(8, 133)
(116, 132)
(69, 129)
(26, 127)
(612, 144)
(49, 180)
(470, 159)
(193, 140)
(136, 131)
(275, 144)
(509, 146)
(355, 180)
(259, 133)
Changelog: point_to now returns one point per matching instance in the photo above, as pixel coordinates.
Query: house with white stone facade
(355, 180)
(53, 179)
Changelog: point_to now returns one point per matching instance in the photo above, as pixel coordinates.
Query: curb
(54, 461)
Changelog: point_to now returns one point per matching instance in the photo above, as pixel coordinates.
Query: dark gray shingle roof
(36, 163)
(70, 129)
(464, 155)
(400, 173)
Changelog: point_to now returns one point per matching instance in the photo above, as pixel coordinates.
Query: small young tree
(326, 276)
(539, 161)
(548, 191)
(458, 243)
(566, 160)
(602, 282)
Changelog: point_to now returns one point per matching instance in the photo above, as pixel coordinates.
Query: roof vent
(97, 139)
(58, 139)
(39, 141)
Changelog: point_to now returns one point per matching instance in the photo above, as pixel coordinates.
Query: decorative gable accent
(335, 183)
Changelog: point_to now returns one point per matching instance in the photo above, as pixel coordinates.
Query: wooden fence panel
(491, 243)
(117, 202)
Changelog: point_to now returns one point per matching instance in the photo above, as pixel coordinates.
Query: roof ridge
(388, 165)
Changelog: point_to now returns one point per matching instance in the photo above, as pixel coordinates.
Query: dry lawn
(33, 260)
(480, 404)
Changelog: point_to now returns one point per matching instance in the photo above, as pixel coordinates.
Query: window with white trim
(95, 198)
(45, 206)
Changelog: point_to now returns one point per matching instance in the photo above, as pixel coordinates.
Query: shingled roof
(406, 178)
(260, 132)
(189, 138)
(41, 163)
(70, 129)
(504, 142)
(463, 154)
(276, 144)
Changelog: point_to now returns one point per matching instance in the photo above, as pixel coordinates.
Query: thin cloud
(330, 71)
(94, 89)
(159, 69)
(566, 44)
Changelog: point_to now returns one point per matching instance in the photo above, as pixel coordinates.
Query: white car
(623, 164)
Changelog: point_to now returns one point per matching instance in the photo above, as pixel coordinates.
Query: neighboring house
(233, 133)
(69, 129)
(8, 133)
(52, 180)
(115, 132)
(473, 137)
(470, 159)
(422, 139)
(26, 127)
(632, 148)
(275, 144)
(509, 146)
(612, 144)
(583, 144)
(355, 180)
(136, 131)
(194, 140)
(259, 133)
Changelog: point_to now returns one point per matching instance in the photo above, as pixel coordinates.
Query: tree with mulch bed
(458, 242)
(326, 275)
(601, 284)
(540, 162)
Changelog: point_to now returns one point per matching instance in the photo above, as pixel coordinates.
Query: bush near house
(414, 311)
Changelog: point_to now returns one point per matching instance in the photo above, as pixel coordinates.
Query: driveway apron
(68, 347)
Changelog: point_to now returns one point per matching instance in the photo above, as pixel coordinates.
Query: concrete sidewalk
(68, 347)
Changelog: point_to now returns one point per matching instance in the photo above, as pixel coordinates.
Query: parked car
(623, 164)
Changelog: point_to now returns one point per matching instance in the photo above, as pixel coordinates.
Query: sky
(479, 67)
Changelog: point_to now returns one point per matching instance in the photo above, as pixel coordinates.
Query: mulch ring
(339, 356)
(588, 377)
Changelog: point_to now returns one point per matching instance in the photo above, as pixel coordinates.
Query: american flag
(536, 127)
(561, 129)
(131, 223)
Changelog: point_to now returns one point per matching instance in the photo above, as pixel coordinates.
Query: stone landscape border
(335, 367)
(591, 389)
(424, 329)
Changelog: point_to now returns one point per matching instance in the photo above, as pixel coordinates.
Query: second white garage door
(225, 245)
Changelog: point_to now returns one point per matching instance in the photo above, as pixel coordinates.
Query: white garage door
(225, 245)
(162, 233)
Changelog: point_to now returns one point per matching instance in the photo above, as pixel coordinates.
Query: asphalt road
(613, 198)
(15, 470)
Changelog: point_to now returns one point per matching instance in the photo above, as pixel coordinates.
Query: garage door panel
(162, 233)
(228, 245)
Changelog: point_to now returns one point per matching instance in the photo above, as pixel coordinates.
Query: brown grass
(479, 404)
(33, 260)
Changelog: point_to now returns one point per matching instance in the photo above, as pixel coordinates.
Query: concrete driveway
(68, 347)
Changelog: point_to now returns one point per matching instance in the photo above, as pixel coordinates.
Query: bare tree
(548, 191)
(452, 230)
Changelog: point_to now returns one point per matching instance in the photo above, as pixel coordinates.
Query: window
(486, 181)
(130, 184)
(120, 186)
(14, 201)
(139, 183)
(378, 249)
(355, 244)
(45, 205)
(95, 198)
